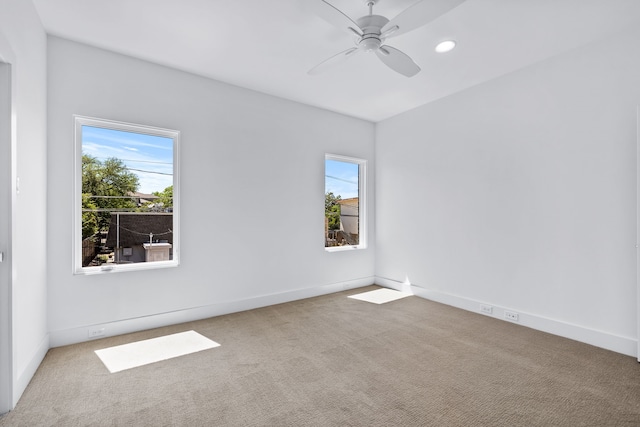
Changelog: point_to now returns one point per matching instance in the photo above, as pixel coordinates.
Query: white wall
(520, 193)
(22, 34)
(245, 159)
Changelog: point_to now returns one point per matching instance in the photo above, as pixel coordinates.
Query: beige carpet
(335, 361)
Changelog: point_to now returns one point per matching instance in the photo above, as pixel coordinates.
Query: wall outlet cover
(510, 315)
(486, 309)
(96, 332)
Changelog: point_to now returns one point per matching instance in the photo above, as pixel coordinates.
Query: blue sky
(341, 178)
(149, 157)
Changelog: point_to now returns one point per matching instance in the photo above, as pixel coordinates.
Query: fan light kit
(371, 31)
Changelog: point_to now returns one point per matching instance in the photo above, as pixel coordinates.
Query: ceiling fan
(371, 31)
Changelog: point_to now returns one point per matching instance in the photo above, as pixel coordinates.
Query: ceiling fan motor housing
(371, 26)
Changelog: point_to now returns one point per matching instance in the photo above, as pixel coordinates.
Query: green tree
(332, 210)
(89, 218)
(165, 197)
(106, 186)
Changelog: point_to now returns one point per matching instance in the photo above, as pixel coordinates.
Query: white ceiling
(269, 45)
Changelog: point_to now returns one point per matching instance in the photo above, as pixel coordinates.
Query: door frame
(638, 229)
(7, 223)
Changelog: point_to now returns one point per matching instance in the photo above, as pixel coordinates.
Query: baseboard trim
(619, 344)
(24, 377)
(80, 334)
(394, 284)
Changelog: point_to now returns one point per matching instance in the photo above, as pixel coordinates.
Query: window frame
(362, 201)
(79, 122)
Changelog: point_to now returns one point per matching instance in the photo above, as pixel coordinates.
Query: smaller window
(126, 197)
(344, 203)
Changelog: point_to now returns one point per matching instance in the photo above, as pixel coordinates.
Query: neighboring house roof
(349, 202)
(136, 226)
(143, 197)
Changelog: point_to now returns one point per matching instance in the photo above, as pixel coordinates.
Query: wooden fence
(89, 250)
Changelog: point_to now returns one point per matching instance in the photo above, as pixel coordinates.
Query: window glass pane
(127, 195)
(342, 207)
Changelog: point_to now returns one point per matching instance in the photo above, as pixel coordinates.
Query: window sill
(119, 268)
(343, 248)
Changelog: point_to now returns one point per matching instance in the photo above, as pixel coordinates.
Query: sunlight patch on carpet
(380, 296)
(132, 355)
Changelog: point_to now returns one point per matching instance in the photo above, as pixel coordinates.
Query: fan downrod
(370, 4)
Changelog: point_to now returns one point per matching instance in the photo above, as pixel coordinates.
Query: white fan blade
(334, 16)
(419, 14)
(334, 60)
(397, 61)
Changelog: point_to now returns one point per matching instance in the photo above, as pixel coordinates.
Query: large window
(344, 202)
(126, 196)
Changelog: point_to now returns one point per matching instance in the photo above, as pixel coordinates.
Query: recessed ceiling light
(445, 46)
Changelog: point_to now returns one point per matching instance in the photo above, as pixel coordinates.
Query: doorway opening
(6, 236)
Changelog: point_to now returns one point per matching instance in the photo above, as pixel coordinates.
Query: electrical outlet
(96, 332)
(510, 315)
(486, 309)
